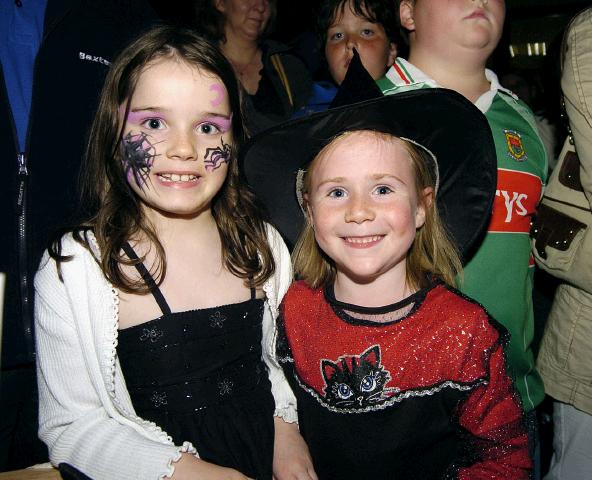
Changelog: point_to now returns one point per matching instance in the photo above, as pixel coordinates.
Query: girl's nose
(182, 147)
(359, 210)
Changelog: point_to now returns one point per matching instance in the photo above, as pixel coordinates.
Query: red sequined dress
(418, 389)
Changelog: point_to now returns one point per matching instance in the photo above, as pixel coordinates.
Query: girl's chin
(180, 213)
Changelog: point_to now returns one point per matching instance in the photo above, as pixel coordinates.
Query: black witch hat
(442, 122)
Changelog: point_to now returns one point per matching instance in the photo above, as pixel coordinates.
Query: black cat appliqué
(356, 381)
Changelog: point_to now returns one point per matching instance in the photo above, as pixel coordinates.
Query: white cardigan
(85, 413)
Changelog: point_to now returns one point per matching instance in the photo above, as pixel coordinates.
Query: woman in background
(276, 82)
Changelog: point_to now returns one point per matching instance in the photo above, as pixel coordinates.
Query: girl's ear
(406, 15)
(425, 201)
(392, 54)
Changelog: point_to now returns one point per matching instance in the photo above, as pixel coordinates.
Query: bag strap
(279, 67)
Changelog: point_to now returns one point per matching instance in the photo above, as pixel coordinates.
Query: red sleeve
(493, 419)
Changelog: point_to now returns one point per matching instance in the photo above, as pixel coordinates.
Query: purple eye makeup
(222, 124)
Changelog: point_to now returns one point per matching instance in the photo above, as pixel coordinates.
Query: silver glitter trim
(393, 400)
(299, 187)
(433, 157)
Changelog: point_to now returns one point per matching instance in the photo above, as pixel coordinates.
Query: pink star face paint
(217, 156)
(138, 156)
(220, 92)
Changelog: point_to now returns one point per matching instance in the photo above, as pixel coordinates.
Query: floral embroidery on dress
(159, 398)
(225, 386)
(217, 319)
(152, 334)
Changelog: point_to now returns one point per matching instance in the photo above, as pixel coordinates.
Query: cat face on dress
(355, 380)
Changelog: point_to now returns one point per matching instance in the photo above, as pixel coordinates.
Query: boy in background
(369, 27)
(366, 25)
(450, 42)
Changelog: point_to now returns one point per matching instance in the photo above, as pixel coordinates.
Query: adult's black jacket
(39, 193)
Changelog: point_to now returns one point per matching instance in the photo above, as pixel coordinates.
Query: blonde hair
(432, 253)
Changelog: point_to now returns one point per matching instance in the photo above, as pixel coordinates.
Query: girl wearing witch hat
(396, 374)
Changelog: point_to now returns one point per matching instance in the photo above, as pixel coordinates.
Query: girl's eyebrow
(376, 176)
(136, 115)
(332, 180)
(217, 114)
(162, 109)
(382, 176)
(147, 109)
(134, 112)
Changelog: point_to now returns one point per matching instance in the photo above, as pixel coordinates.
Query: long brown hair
(114, 211)
(432, 254)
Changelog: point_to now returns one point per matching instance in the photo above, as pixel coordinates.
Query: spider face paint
(215, 157)
(138, 157)
(220, 92)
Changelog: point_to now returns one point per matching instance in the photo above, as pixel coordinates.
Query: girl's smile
(363, 242)
(178, 179)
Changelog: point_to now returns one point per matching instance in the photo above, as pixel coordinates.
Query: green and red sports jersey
(500, 275)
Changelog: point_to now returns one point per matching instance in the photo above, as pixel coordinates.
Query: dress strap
(253, 289)
(143, 271)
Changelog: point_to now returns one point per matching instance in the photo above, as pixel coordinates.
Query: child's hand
(192, 468)
(291, 459)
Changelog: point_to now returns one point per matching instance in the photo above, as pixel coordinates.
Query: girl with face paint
(155, 316)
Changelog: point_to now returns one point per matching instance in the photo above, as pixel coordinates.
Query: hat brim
(441, 120)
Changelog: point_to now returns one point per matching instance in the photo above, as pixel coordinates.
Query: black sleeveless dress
(199, 376)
